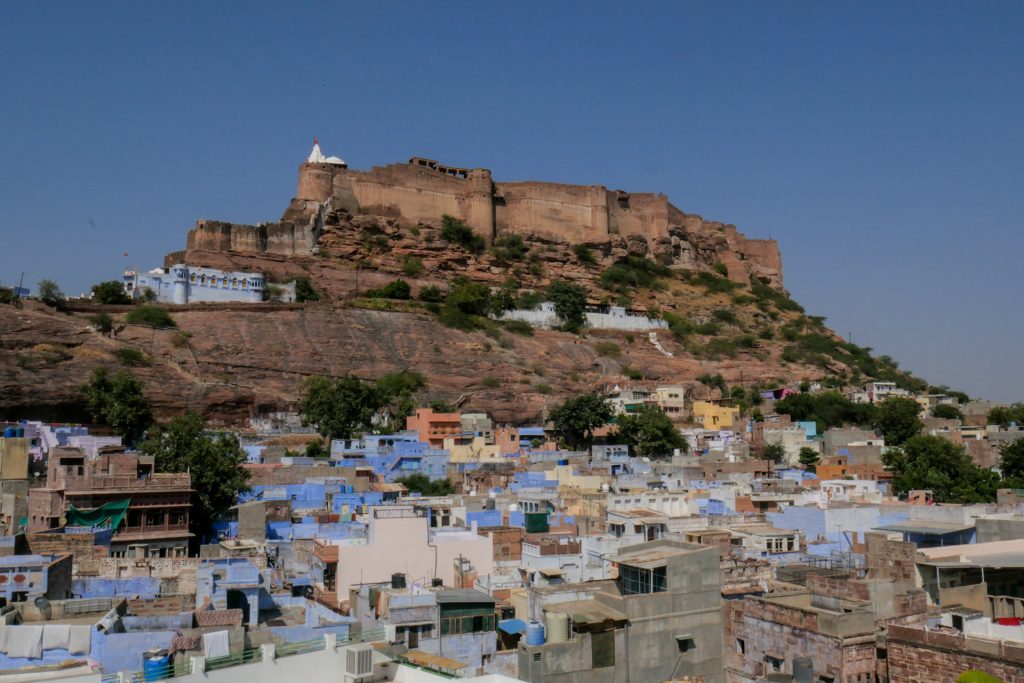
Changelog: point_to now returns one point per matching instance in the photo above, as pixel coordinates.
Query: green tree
(809, 458)
(1011, 459)
(579, 416)
(937, 464)
(896, 419)
(110, 292)
(50, 293)
(570, 304)
(103, 323)
(509, 247)
(505, 297)
(456, 232)
(1004, 415)
(420, 483)
(150, 316)
(398, 390)
(947, 412)
(316, 449)
(827, 409)
(117, 401)
(340, 407)
(774, 452)
(396, 289)
(650, 433)
(431, 294)
(714, 382)
(215, 463)
(304, 290)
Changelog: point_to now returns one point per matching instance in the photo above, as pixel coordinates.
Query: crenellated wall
(422, 191)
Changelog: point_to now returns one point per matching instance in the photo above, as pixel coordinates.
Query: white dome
(335, 160)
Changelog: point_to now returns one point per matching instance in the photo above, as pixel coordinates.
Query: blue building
(182, 284)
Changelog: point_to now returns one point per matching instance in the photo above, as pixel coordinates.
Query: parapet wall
(424, 192)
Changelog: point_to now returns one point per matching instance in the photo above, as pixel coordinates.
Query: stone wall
(919, 654)
(550, 211)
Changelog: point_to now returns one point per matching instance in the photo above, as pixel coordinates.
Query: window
(741, 646)
(774, 663)
(639, 581)
(154, 518)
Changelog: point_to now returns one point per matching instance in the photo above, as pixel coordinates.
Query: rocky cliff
(350, 231)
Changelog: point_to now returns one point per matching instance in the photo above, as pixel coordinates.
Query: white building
(616, 318)
(182, 284)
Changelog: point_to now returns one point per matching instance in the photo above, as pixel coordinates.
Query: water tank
(9, 432)
(156, 668)
(436, 582)
(557, 626)
(398, 580)
(534, 633)
(803, 670)
(563, 462)
(19, 432)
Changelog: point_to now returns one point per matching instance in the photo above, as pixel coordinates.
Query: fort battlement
(423, 190)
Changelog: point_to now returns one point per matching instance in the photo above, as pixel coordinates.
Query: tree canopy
(420, 483)
(650, 433)
(809, 458)
(939, 465)
(896, 419)
(215, 463)
(117, 400)
(947, 411)
(570, 304)
(50, 293)
(827, 409)
(110, 292)
(579, 416)
(1011, 460)
(340, 407)
(1004, 415)
(775, 452)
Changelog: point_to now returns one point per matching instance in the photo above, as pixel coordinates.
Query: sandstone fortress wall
(422, 191)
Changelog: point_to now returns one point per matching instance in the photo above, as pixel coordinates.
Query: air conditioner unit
(359, 661)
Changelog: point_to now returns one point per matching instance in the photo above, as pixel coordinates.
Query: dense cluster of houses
(541, 564)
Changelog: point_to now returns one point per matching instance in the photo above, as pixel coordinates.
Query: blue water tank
(156, 668)
(9, 432)
(563, 462)
(534, 633)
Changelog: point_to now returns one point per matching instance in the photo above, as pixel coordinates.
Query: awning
(925, 527)
(512, 626)
(108, 515)
(550, 571)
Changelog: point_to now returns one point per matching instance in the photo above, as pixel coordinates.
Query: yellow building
(714, 416)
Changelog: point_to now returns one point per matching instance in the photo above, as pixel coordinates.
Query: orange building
(433, 427)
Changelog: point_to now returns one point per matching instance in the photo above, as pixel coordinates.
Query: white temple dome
(317, 157)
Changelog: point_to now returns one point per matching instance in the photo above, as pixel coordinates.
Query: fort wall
(422, 191)
(563, 213)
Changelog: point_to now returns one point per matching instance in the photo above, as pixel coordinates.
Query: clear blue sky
(882, 142)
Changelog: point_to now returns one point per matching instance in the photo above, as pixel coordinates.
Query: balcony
(325, 552)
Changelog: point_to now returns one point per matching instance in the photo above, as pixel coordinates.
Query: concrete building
(434, 428)
(183, 284)
(26, 577)
(14, 475)
(711, 415)
(156, 522)
(398, 539)
(660, 620)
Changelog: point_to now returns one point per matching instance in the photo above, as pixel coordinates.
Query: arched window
(193, 278)
(234, 283)
(202, 279)
(245, 284)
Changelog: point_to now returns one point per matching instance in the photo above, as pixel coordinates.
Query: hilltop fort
(421, 191)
